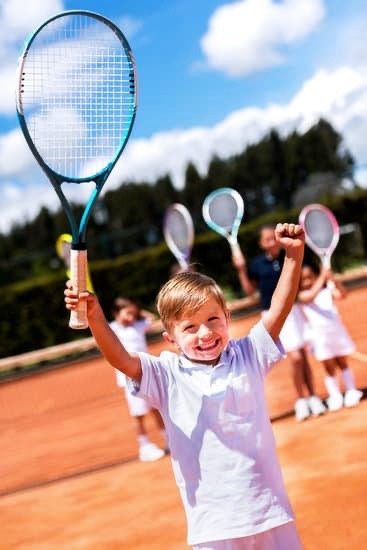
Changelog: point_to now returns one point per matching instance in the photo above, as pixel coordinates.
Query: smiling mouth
(208, 347)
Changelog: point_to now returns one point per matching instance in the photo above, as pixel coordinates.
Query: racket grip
(236, 250)
(78, 275)
(326, 261)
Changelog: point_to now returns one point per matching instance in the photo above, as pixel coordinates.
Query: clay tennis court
(70, 477)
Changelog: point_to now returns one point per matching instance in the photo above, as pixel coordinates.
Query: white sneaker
(316, 405)
(335, 402)
(150, 452)
(301, 409)
(352, 397)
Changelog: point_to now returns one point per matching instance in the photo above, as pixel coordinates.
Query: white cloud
(340, 96)
(248, 35)
(15, 156)
(130, 26)
(17, 23)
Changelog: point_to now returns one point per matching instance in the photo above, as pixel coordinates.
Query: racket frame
(324, 254)
(181, 257)
(78, 255)
(231, 235)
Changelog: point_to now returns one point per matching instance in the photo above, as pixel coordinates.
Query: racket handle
(326, 261)
(78, 275)
(183, 264)
(236, 250)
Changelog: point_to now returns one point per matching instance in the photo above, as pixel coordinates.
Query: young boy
(211, 396)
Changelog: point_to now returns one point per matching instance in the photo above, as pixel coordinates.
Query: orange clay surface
(70, 478)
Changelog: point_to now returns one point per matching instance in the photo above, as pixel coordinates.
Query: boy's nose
(203, 331)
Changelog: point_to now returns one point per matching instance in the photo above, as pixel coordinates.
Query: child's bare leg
(308, 378)
(140, 425)
(330, 365)
(303, 378)
(296, 359)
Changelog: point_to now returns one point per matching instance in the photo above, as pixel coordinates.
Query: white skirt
(330, 342)
(136, 405)
(294, 334)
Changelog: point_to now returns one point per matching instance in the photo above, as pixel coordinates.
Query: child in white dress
(130, 326)
(329, 339)
(262, 275)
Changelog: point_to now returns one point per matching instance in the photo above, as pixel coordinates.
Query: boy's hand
(72, 298)
(238, 261)
(290, 236)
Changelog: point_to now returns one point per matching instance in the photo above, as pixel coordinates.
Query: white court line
(359, 356)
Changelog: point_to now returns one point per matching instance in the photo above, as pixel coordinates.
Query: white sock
(348, 378)
(332, 386)
(143, 440)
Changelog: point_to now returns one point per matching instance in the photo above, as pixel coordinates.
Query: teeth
(208, 347)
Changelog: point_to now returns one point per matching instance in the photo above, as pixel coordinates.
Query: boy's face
(127, 315)
(268, 243)
(201, 335)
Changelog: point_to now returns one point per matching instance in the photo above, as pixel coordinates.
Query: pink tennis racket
(321, 231)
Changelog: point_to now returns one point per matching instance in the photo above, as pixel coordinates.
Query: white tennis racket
(321, 231)
(76, 105)
(223, 211)
(178, 231)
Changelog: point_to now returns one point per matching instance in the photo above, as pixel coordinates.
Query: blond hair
(186, 293)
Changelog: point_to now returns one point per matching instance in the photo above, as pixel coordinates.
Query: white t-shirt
(220, 437)
(133, 338)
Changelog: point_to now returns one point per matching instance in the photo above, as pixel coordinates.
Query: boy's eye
(214, 318)
(188, 328)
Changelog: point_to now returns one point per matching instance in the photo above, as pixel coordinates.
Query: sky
(213, 77)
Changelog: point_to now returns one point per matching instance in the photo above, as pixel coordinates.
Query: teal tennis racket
(223, 211)
(76, 105)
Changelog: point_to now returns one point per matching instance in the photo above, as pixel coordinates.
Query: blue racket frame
(231, 235)
(78, 231)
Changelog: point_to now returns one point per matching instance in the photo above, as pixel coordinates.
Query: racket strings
(319, 229)
(223, 211)
(78, 95)
(178, 231)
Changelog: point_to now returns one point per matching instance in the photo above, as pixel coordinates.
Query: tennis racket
(223, 211)
(76, 105)
(178, 231)
(321, 231)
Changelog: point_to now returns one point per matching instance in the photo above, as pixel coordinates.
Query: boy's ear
(168, 338)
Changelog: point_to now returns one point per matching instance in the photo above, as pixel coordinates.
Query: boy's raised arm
(106, 339)
(291, 237)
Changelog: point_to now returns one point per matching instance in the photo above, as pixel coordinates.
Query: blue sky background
(213, 76)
